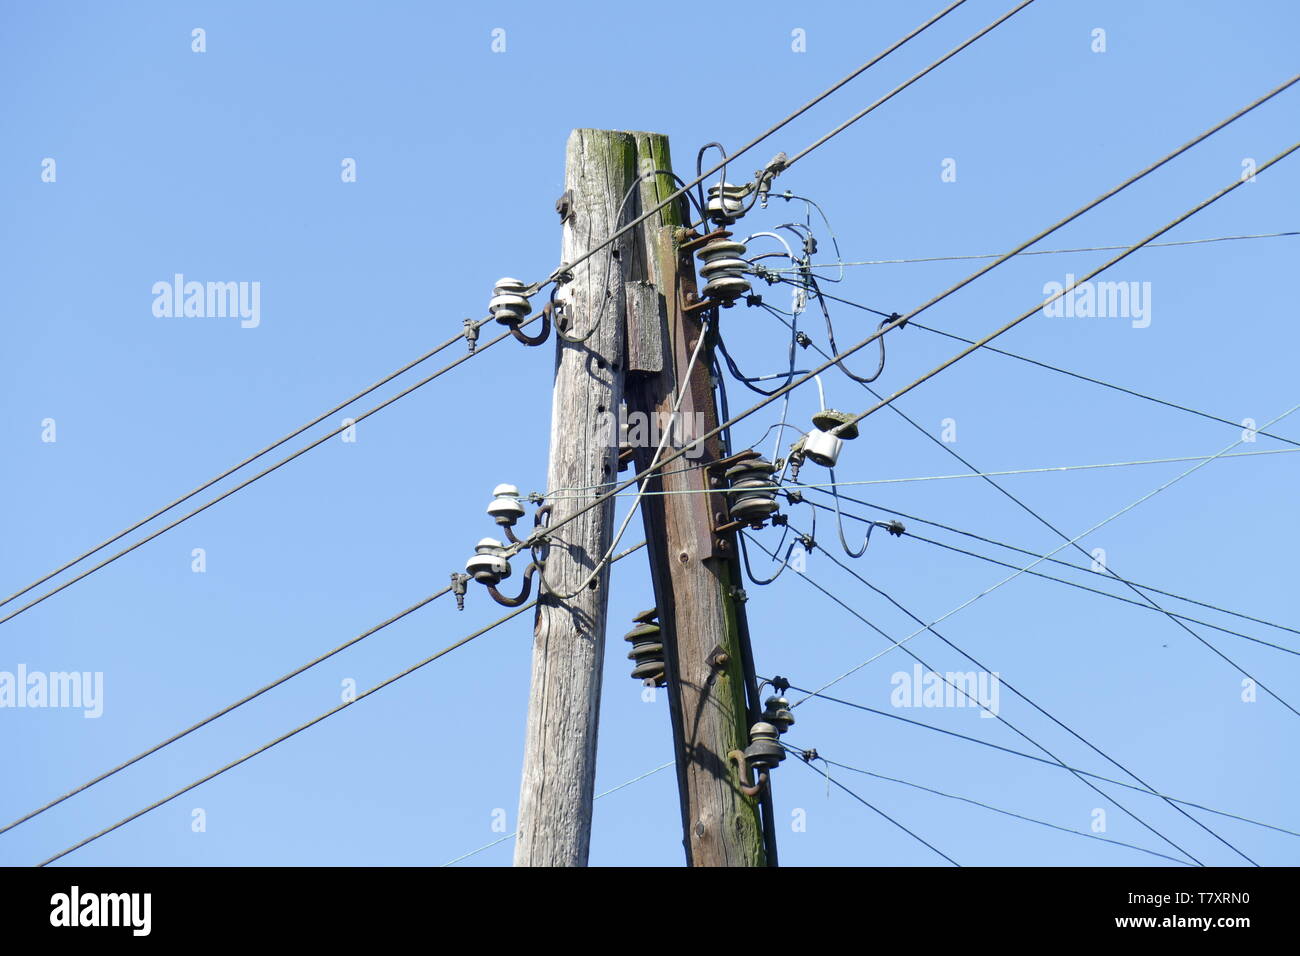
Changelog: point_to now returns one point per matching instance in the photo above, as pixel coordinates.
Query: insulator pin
(723, 266)
(505, 506)
(764, 751)
(647, 653)
(726, 203)
(752, 490)
(489, 564)
(822, 445)
(508, 304)
(777, 712)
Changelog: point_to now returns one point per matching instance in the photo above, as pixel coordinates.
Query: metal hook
(523, 594)
(748, 789)
(541, 336)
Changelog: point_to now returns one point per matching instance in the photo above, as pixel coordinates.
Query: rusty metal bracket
(694, 303)
(717, 659)
(523, 594)
(564, 206)
(742, 765)
(698, 240)
(541, 336)
(735, 459)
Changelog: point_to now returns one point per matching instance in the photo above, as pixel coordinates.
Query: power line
(1074, 542)
(1026, 508)
(249, 460)
(1071, 541)
(311, 723)
(1025, 697)
(898, 89)
(1026, 551)
(1052, 298)
(261, 474)
(871, 806)
(1037, 252)
(227, 709)
(1075, 584)
(974, 474)
(1014, 728)
(617, 234)
(1110, 385)
(1063, 371)
(1060, 766)
(1023, 506)
(809, 755)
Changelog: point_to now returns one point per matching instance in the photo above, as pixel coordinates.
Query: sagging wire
(796, 308)
(699, 174)
(805, 541)
(895, 528)
(810, 205)
(830, 337)
(799, 300)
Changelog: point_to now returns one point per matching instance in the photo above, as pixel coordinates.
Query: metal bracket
(717, 659)
(564, 206)
(458, 582)
(523, 594)
(541, 336)
(742, 766)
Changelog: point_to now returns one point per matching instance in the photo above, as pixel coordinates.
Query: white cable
(1037, 252)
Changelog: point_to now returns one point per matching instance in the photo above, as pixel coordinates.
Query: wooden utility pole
(695, 590)
(569, 635)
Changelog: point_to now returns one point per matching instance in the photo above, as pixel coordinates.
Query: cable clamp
(471, 334)
(458, 582)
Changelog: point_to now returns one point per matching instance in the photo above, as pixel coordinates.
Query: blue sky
(225, 166)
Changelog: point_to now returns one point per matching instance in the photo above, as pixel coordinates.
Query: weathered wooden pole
(695, 591)
(569, 635)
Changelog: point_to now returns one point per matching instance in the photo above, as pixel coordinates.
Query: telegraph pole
(569, 634)
(705, 639)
